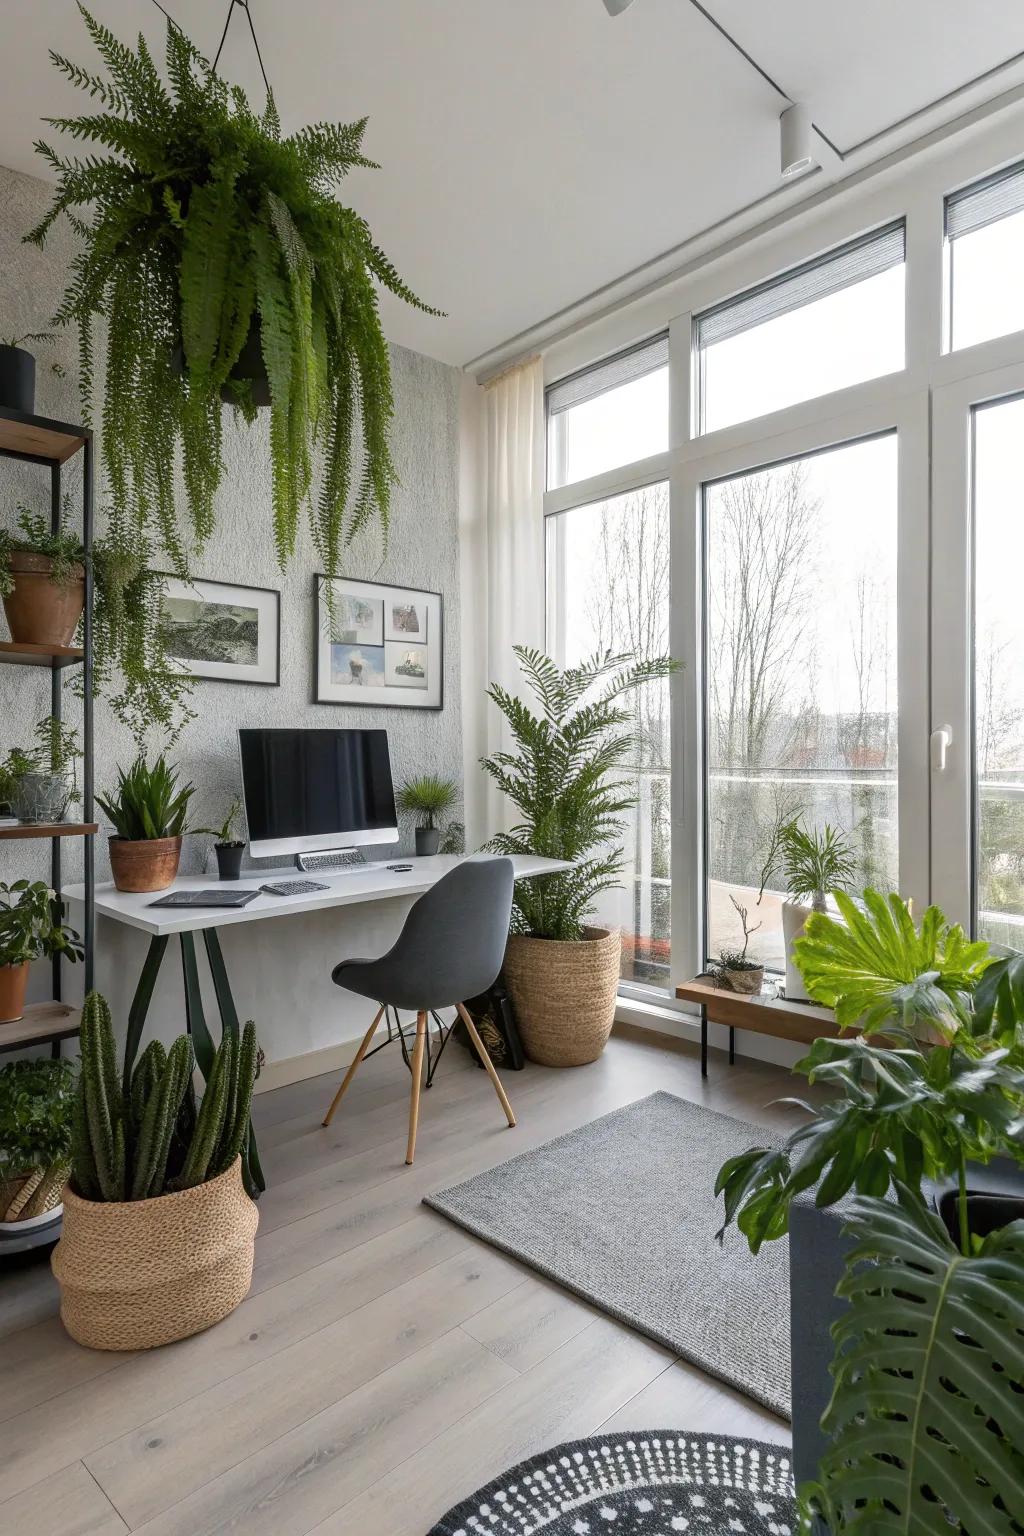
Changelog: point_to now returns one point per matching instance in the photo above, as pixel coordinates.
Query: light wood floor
(386, 1364)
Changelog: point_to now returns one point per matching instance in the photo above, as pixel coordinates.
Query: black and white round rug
(647, 1483)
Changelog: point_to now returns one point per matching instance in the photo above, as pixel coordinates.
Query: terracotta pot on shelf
(563, 994)
(40, 611)
(148, 865)
(13, 981)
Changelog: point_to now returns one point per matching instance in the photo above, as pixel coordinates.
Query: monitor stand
(328, 858)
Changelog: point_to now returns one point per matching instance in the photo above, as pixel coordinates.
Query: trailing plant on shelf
(34, 536)
(565, 779)
(216, 252)
(427, 798)
(147, 802)
(36, 1110)
(40, 782)
(924, 1420)
(145, 1137)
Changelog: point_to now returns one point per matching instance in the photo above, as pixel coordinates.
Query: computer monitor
(308, 790)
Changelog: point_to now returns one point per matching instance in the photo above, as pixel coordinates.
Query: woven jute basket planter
(33, 1194)
(137, 1274)
(563, 994)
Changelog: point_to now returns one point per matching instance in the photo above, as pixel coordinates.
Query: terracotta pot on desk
(148, 865)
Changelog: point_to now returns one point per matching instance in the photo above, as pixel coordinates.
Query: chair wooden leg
(481, 1051)
(417, 1078)
(350, 1074)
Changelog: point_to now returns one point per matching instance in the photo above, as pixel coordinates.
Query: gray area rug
(623, 1213)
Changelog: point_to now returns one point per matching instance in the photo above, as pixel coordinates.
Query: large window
(800, 674)
(828, 324)
(998, 431)
(608, 590)
(613, 414)
(984, 256)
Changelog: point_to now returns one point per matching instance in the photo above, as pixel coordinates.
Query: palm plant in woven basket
(223, 267)
(153, 1173)
(926, 1419)
(569, 779)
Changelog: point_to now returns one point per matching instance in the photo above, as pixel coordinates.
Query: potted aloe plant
(227, 847)
(427, 798)
(149, 811)
(811, 864)
(904, 1195)
(157, 1241)
(36, 1102)
(31, 928)
(237, 274)
(565, 779)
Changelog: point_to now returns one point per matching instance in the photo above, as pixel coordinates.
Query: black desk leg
(141, 1001)
(703, 1041)
(732, 1046)
(252, 1170)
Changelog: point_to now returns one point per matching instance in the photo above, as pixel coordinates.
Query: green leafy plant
(140, 1138)
(811, 863)
(203, 233)
(31, 925)
(63, 548)
(36, 1103)
(563, 779)
(225, 833)
(926, 1419)
(147, 802)
(427, 798)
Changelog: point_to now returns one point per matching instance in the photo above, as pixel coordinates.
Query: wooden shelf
(25, 655)
(37, 437)
(41, 1021)
(802, 1022)
(50, 829)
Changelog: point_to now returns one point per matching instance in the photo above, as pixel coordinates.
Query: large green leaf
(876, 968)
(927, 1411)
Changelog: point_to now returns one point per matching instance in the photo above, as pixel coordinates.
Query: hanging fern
(203, 229)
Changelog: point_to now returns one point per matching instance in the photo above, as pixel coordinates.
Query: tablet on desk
(211, 898)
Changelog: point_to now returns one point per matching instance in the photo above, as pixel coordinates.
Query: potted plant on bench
(158, 1232)
(149, 813)
(36, 1101)
(31, 928)
(811, 864)
(924, 1429)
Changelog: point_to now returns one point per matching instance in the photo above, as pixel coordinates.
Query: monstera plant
(926, 1419)
(222, 266)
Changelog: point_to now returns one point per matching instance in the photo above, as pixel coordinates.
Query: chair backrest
(453, 942)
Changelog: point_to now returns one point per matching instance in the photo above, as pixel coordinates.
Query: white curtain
(502, 560)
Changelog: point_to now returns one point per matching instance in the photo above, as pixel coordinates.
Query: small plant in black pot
(427, 798)
(228, 847)
(18, 371)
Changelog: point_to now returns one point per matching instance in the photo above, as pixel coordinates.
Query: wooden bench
(802, 1022)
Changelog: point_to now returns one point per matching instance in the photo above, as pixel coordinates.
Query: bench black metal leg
(703, 1041)
(732, 1045)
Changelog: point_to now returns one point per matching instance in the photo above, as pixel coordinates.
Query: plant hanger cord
(244, 4)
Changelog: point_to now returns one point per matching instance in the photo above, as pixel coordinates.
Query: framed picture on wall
(222, 631)
(378, 644)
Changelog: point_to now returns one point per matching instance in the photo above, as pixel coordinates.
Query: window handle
(941, 741)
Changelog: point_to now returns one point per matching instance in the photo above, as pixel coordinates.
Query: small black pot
(229, 859)
(17, 380)
(986, 1212)
(427, 841)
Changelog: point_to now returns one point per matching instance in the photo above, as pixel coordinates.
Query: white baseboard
(295, 1069)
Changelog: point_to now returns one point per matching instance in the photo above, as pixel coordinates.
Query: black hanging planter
(250, 368)
(17, 380)
(229, 859)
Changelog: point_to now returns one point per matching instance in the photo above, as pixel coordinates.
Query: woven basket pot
(32, 1195)
(137, 1274)
(563, 994)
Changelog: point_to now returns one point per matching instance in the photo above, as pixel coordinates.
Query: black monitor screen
(301, 784)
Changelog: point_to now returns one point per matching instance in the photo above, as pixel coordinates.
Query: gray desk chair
(451, 948)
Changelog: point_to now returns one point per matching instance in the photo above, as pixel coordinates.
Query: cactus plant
(143, 1138)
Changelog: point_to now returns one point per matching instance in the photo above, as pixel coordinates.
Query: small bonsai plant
(427, 798)
(36, 1110)
(145, 1137)
(735, 969)
(149, 812)
(227, 846)
(31, 928)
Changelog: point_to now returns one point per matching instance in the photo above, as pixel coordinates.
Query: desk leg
(251, 1168)
(703, 1041)
(732, 1045)
(141, 1001)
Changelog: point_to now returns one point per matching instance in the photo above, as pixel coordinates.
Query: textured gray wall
(422, 552)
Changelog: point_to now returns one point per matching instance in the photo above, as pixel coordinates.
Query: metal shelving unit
(53, 444)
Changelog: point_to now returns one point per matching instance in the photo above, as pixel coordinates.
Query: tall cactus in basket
(144, 1138)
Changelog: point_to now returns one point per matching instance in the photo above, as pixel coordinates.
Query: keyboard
(292, 887)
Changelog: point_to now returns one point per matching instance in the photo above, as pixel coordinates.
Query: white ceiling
(534, 151)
